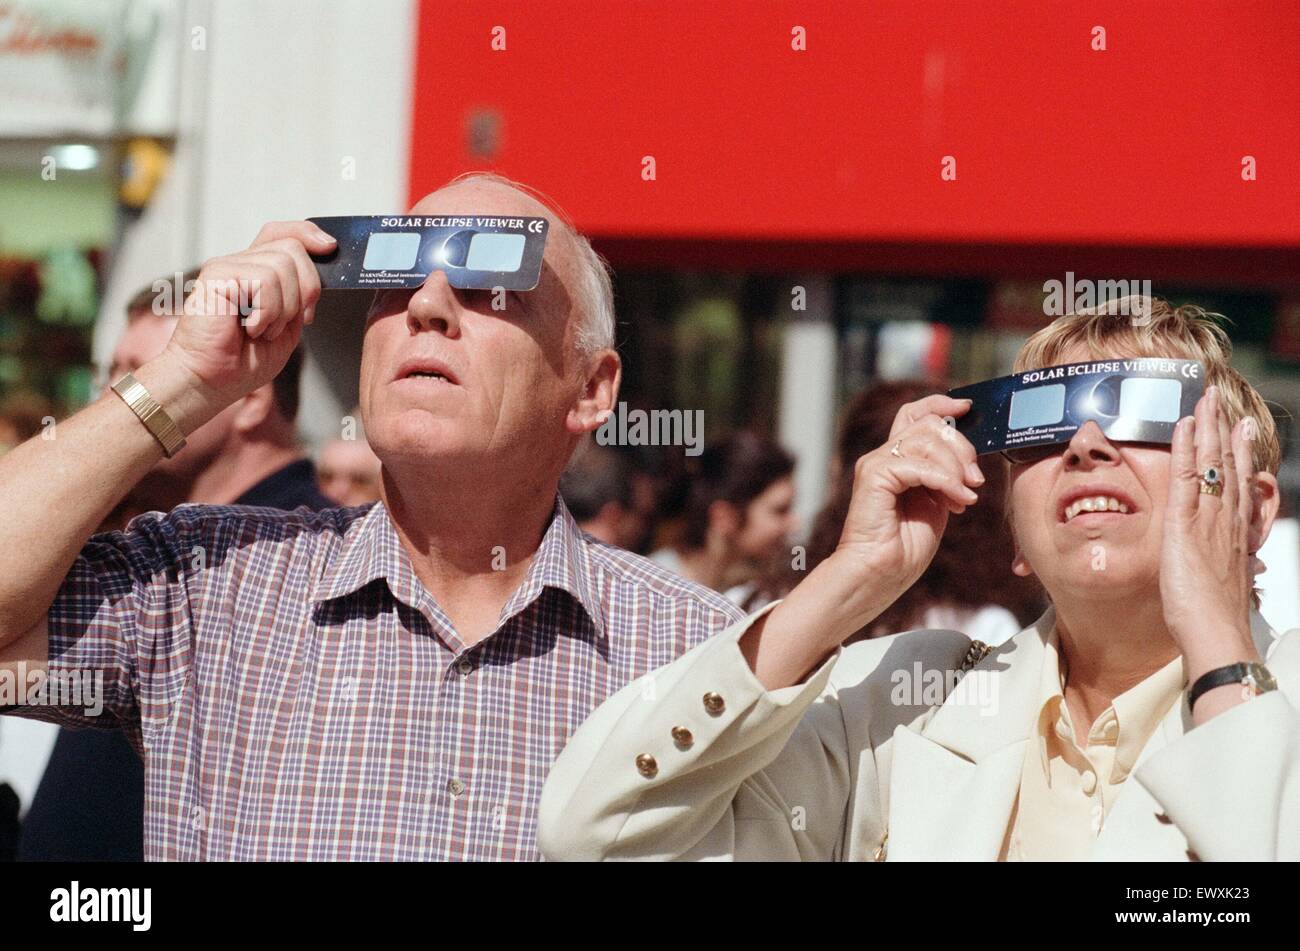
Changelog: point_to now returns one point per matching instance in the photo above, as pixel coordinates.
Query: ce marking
(536, 226)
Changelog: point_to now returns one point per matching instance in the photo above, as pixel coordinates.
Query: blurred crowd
(723, 519)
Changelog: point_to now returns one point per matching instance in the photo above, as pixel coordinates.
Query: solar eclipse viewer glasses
(482, 252)
(1031, 415)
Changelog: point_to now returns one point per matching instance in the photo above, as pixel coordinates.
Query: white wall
(283, 110)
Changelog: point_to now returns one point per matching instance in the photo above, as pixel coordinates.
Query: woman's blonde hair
(1146, 327)
(1151, 327)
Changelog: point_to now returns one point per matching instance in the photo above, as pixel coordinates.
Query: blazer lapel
(1137, 828)
(953, 785)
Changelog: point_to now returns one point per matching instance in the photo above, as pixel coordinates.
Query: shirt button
(464, 666)
(682, 737)
(455, 787)
(1089, 783)
(647, 766)
(714, 703)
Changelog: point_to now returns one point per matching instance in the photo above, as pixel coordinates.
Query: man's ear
(254, 408)
(1265, 503)
(603, 375)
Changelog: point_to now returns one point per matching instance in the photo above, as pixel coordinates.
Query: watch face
(1260, 678)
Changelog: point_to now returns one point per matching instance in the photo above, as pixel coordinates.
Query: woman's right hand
(903, 493)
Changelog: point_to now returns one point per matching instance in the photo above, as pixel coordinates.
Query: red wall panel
(1054, 143)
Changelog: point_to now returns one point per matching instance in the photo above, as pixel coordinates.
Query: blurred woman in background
(967, 587)
(736, 514)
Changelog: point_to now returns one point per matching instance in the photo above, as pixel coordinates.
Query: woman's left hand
(1205, 577)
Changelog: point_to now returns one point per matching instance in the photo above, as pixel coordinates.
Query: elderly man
(382, 683)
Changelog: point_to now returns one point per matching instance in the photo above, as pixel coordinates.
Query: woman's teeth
(1095, 503)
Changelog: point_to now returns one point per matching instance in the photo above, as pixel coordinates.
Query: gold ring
(1212, 481)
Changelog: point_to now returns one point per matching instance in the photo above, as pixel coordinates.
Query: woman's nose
(1089, 447)
(434, 306)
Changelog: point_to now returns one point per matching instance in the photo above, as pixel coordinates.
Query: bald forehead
(497, 198)
(494, 198)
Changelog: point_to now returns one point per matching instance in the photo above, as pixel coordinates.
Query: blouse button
(1089, 783)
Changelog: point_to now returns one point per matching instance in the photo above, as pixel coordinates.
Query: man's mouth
(423, 369)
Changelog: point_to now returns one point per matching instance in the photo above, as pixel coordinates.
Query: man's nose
(1089, 448)
(434, 306)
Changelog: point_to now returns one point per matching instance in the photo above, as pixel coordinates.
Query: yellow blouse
(1066, 793)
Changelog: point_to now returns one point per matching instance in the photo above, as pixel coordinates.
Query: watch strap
(154, 417)
(1231, 674)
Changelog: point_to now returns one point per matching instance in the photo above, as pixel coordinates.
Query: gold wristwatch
(154, 417)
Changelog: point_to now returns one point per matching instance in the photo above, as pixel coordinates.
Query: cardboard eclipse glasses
(1031, 415)
(482, 252)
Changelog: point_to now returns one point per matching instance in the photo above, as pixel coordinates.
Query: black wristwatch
(1253, 677)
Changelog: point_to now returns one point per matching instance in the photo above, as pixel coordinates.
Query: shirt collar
(1139, 711)
(563, 561)
(1131, 718)
(372, 550)
(1050, 707)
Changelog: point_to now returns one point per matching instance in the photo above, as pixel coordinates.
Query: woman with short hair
(1073, 740)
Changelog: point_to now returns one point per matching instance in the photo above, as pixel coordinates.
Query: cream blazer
(875, 757)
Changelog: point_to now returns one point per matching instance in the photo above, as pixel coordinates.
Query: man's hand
(246, 314)
(60, 489)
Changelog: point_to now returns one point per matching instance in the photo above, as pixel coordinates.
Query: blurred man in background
(90, 803)
(598, 488)
(347, 469)
(956, 592)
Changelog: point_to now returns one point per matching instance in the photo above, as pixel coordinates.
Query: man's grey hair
(595, 290)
